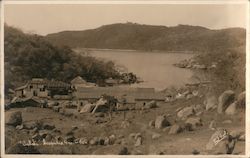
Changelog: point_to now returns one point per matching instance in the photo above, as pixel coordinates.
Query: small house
(42, 88)
(111, 82)
(80, 82)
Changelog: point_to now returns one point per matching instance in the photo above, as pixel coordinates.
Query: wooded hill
(149, 37)
(28, 56)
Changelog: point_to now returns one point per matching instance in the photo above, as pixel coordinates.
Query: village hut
(42, 88)
(111, 82)
(80, 82)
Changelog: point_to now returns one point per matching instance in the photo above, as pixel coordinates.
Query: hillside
(28, 56)
(148, 37)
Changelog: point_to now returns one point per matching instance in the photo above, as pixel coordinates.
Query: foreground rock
(125, 124)
(232, 109)
(151, 104)
(192, 123)
(151, 124)
(14, 119)
(212, 125)
(185, 112)
(138, 141)
(241, 100)
(156, 135)
(87, 108)
(236, 134)
(225, 99)
(211, 102)
(175, 129)
(221, 143)
(123, 151)
(94, 141)
(161, 122)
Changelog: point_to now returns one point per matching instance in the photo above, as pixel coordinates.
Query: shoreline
(133, 50)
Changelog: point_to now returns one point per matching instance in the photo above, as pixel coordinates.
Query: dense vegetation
(148, 37)
(230, 71)
(28, 56)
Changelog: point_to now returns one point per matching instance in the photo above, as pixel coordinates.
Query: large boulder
(232, 109)
(138, 141)
(151, 104)
(30, 125)
(70, 138)
(94, 141)
(87, 108)
(56, 108)
(37, 137)
(48, 126)
(198, 108)
(125, 124)
(161, 122)
(175, 129)
(193, 123)
(225, 99)
(185, 112)
(241, 100)
(212, 125)
(123, 151)
(14, 118)
(236, 134)
(83, 141)
(211, 102)
(112, 139)
(220, 143)
(224, 147)
(156, 135)
(151, 124)
(48, 138)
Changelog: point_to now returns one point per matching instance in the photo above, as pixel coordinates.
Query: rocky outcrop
(151, 124)
(211, 102)
(87, 108)
(241, 100)
(161, 122)
(221, 143)
(156, 135)
(225, 99)
(193, 123)
(150, 105)
(175, 129)
(185, 112)
(232, 108)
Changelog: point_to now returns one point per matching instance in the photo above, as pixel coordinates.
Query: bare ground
(182, 143)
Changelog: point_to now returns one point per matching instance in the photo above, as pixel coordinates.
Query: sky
(50, 18)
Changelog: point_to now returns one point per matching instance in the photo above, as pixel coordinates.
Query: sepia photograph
(124, 78)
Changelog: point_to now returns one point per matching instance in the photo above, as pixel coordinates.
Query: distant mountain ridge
(149, 37)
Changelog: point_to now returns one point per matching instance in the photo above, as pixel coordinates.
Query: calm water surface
(155, 69)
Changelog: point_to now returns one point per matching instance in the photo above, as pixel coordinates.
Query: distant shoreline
(133, 50)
